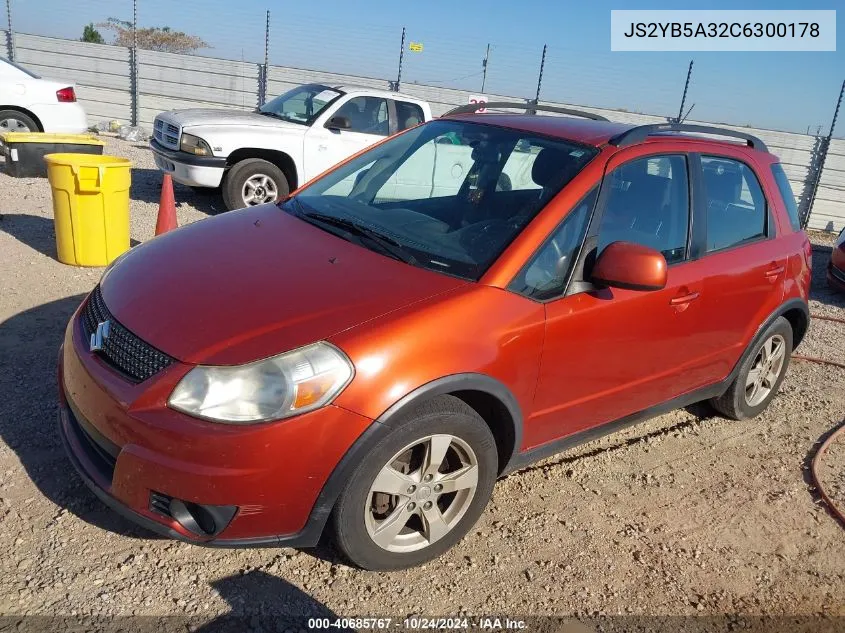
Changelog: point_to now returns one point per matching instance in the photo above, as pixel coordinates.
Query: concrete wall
(101, 73)
(167, 81)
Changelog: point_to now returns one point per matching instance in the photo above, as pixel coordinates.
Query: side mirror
(339, 123)
(631, 266)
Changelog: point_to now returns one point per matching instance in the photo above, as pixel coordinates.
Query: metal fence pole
(484, 65)
(536, 99)
(133, 67)
(262, 77)
(10, 34)
(825, 146)
(540, 77)
(398, 83)
(681, 117)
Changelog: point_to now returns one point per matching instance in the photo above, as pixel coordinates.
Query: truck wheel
(252, 182)
(14, 121)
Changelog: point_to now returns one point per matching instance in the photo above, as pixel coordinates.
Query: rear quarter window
(787, 195)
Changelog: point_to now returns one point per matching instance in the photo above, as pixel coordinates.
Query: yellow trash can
(91, 207)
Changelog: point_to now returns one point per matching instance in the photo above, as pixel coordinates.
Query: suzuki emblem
(99, 337)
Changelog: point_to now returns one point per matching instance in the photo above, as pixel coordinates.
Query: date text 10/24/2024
(419, 623)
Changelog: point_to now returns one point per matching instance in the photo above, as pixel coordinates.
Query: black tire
(237, 176)
(6, 116)
(733, 403)
(441, 415)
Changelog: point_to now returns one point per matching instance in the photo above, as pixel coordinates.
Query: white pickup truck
(257, 157)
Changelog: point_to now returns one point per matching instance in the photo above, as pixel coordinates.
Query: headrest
(550, 163)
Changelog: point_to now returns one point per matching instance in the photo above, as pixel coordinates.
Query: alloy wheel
(259, 189)
(421, 493)
(765, 370)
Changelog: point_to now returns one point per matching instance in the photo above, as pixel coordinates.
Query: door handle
(682, 299)
(774, 272)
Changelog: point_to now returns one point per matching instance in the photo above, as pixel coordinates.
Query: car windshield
(301, 105)
(448, 195)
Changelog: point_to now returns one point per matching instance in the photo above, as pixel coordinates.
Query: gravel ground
(687, 514)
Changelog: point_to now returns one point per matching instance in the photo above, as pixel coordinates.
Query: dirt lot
(687, 514)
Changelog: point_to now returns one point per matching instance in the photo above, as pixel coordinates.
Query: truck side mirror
(339, 123)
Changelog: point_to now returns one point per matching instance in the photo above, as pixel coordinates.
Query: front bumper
(130, 449)
(194, 171)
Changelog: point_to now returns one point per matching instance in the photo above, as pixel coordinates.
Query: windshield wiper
(385, 243)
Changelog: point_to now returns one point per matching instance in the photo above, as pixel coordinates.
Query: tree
(156, 38)
(90, 34)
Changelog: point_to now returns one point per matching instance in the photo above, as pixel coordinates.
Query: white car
(29, 103)
(261, 156)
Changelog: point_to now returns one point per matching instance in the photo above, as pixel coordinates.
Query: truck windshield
(448, 195)
(302, 104)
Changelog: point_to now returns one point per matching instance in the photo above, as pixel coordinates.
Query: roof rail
(529, 107)
(641, 132)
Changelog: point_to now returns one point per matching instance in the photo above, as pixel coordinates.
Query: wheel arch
(488, 397)
(280, 159)
(795, 311)
(28, 113)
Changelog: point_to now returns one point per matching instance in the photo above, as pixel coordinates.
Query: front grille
(166, 133)
(121, 349)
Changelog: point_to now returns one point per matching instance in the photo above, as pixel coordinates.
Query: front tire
(252, 182)
(418, 491)
(760, 375)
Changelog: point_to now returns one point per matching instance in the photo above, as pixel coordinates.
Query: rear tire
(429, 511)
(14, 121)
(253, 181)
(760, 375)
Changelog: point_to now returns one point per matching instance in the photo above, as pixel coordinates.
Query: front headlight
(194, 145)
(271, 389)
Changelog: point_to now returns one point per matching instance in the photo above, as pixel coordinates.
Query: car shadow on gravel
(146, 187)
(28, 413)
(263, 602)
(36, 232)
(820, 290)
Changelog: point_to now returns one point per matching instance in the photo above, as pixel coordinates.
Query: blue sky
(791, 91)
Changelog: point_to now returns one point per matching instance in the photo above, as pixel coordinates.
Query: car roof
(585, 131)
(376, 92)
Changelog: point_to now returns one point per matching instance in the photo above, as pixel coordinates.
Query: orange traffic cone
(166, 207)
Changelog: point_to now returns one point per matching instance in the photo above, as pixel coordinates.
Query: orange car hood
(254, 283)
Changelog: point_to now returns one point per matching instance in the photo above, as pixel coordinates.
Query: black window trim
(769, 230)
(562, 292)
(772, 168)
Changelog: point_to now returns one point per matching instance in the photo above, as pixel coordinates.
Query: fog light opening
(199, 519)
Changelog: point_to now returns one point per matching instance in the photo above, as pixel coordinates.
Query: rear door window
(408, 115)
(736, 206)
(788, 196)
